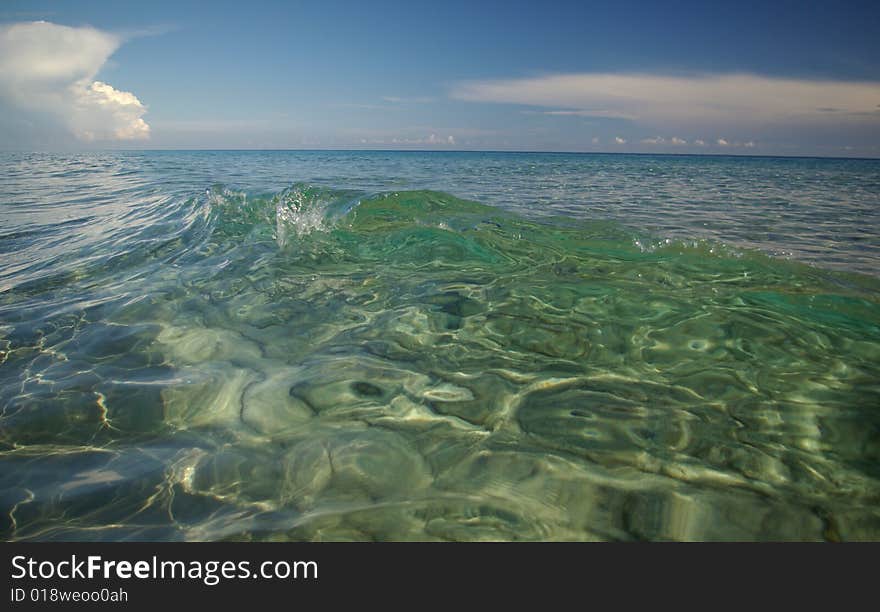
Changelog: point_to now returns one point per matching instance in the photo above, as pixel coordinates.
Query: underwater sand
(332, 346)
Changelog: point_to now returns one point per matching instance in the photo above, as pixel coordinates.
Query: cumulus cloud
(433, 139)
(660, 140)
(700, 142)
(721, 142)
(619, 140)
(706, 100)
(50, 69)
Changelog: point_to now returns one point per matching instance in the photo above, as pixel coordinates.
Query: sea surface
(438, 346)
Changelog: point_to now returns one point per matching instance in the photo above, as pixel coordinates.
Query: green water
(310, 365)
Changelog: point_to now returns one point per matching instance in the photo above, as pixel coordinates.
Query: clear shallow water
(333, 345)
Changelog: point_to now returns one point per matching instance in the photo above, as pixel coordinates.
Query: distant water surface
(458, 346)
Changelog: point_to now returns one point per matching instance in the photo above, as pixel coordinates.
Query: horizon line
(510, 151)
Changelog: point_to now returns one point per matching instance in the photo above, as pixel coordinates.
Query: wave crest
(301, 210)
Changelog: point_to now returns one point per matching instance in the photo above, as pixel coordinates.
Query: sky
(767, 78)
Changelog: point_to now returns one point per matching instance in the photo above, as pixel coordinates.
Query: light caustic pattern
(323, 365)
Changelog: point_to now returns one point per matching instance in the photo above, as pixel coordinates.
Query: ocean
(356, 345)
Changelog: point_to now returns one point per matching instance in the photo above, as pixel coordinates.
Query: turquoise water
(455, 346)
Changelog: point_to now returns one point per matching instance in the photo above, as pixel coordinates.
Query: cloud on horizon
(695, 103)
(50, 69)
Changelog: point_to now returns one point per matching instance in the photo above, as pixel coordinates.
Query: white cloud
(722, 142)
(687, 101)
(619, 140)
(49, 68)
(700, 143)
(431, 139)
(102, 103)
(660, 140)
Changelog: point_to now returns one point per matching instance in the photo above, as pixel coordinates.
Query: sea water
(438, 346)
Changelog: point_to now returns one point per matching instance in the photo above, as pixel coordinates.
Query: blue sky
(799, 78)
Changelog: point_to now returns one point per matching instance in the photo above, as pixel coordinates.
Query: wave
(435, 226)
(411, 227)
(301, 359)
